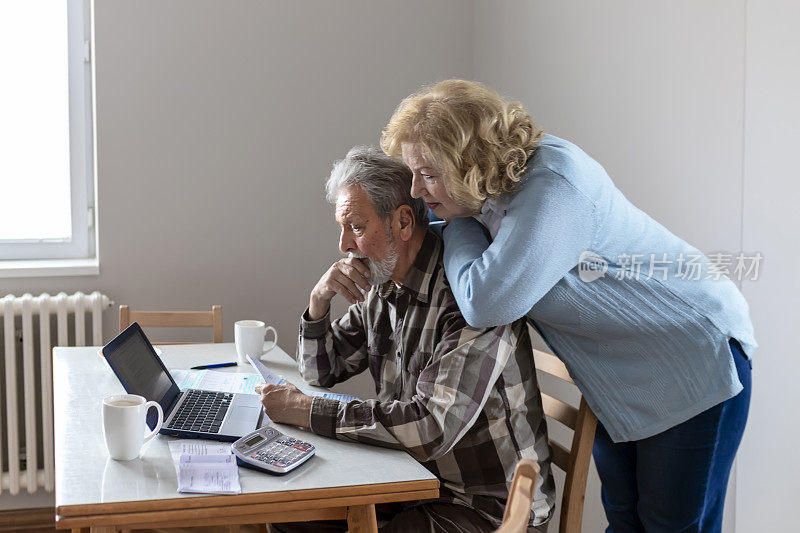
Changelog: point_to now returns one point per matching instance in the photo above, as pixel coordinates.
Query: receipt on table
(208, 474)
(197, 447)
(205, 466)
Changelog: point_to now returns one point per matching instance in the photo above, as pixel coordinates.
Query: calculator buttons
(276, 453)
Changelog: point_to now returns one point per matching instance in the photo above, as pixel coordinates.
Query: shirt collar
(418, 279)
(495, 205)
(488, 206)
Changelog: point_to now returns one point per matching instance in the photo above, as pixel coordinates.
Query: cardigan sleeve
(547, 225)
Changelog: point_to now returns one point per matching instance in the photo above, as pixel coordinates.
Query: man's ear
(404, 221)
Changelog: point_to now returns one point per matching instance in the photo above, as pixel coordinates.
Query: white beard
(380, 271)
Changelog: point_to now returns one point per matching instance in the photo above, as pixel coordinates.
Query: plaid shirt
(461, 400)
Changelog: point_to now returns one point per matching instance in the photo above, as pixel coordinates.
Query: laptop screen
(139, 370)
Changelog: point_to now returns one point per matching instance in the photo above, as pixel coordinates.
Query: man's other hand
(285, 404)
(343, 277)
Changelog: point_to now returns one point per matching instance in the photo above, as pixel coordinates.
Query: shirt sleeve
(451, 391)
(547, 226)
(327, 353)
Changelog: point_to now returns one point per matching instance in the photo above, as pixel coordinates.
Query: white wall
(768, 475)
(651, 90)
(654, 91)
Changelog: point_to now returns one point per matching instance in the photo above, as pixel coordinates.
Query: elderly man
(461, 400)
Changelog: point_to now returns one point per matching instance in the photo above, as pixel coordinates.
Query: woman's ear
(404, 218)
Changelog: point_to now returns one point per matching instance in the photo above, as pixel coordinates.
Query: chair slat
(575, 484)
(202, 319)
(575, 461)
(168, 319)
(560, 456)
(216, 319)
(551, 364)
(561, 411)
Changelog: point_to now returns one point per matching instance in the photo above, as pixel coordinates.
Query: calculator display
(254, 440)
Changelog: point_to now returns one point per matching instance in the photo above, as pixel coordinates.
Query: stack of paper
(275, 379)
(241, 382)
(205, 466)
(217, 381)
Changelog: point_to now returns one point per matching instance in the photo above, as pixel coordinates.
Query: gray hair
(386, 182)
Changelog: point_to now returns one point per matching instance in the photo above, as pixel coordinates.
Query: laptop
(191, 413)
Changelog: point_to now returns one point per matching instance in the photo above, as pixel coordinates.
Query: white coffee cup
(124, 424)
(249, 336)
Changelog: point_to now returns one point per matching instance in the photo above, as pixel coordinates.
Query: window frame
(82, 245)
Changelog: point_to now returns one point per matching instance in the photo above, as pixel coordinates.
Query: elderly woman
(655, 337)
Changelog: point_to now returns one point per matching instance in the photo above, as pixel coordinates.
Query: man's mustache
(370, 264)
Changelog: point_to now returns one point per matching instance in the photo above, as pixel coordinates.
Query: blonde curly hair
(479, 141)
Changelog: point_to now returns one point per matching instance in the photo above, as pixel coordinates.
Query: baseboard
(26, 520)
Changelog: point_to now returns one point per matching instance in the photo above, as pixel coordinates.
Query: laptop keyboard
(201, 411)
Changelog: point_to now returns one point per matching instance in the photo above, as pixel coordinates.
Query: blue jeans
(676, 480)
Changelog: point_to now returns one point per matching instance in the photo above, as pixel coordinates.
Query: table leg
(362, 519)
(103, 529)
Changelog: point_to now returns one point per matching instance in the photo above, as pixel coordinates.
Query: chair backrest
(520, 497)
(212, 319)
(575, 461)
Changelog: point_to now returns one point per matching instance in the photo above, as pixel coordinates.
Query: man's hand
(285, 404)
(343, 277)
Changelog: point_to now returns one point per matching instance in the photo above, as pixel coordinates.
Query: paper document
(216, 381)
(196, 447)
(266, 374)
(275, 379)
(205, 466)
(209, 474)
(333, 395)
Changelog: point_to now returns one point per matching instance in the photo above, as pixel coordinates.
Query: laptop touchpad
(241, 420)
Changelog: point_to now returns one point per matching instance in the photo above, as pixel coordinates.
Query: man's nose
(417, 187)
(346, 243)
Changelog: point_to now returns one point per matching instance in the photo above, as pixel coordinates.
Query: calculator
(271, 451)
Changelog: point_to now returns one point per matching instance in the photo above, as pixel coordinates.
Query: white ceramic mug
(249, 336)
(124, 424)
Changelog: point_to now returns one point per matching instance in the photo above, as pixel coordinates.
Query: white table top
(86, 475)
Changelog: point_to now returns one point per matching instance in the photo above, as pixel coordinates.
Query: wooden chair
(575, 461)
(212, 319)
(520, 497)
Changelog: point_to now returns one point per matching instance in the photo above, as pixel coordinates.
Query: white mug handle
(275, 341)
(147, 407)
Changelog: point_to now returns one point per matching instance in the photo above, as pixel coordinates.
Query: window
(46, 132)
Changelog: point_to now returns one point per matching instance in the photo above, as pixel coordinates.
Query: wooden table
(343, 481)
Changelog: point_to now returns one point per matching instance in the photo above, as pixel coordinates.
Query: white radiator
(33, 476)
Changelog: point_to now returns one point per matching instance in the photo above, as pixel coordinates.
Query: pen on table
(218, 365)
